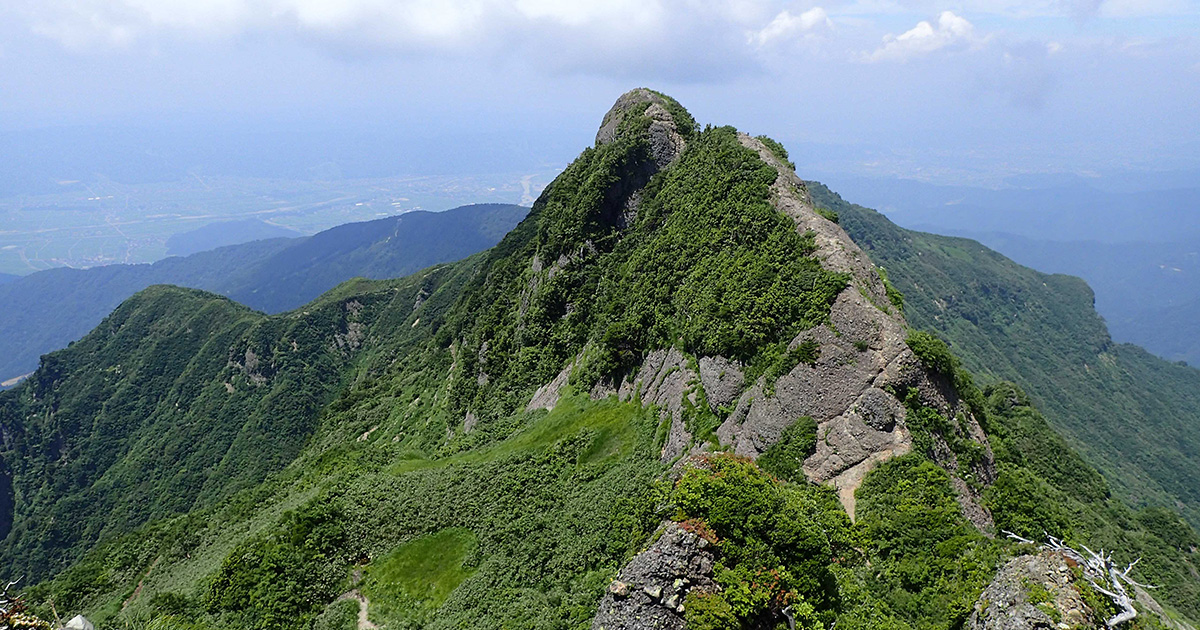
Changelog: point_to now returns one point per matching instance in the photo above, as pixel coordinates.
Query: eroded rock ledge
(650, 591)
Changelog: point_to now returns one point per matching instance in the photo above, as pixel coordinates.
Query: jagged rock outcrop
(666, 143)
(863, 358)
(650, 591)
(863, 362)
(666, 380)
(850, 391)
(1033, 591)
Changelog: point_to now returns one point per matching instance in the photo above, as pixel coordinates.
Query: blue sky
(970, 90)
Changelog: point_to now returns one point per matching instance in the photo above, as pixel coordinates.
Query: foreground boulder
(650, 591)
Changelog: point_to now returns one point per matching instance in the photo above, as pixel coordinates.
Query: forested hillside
(46, 310)
(676, 395)
(1134, 416)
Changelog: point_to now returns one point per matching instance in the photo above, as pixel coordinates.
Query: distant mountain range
(688, 390)
(225, 233)
(7, 277)
(1062, 208)
(45, 311)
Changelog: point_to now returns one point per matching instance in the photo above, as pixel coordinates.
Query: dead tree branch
(1098, 568)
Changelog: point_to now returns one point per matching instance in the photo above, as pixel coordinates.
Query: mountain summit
(677, 394)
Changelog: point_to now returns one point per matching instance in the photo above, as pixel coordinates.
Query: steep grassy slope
(1132, 415)
(46, 310)
(422, 450)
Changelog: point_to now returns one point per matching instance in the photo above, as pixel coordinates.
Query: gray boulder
(651, 589)
(1033, 591)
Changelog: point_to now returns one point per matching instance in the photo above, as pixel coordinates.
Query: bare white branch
(1098, 568)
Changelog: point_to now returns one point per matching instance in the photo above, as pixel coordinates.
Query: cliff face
(851, 389)
(859, 387)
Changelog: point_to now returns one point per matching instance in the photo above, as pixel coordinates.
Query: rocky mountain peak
(664, 133)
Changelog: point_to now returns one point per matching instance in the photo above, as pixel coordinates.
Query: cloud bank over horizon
(969, 75)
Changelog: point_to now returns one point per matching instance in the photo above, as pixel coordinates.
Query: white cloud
(1023, 9)
(89, 23)
(677, 39)
(787, 25)
(951, 32)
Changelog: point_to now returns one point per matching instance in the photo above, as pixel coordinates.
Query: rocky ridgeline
(848, 391)
(863, 356)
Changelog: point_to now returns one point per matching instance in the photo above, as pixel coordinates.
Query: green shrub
(828, 214)
(932, 352)
(1022, 503)
(929, 563)
(286, 577)
(342, 615)
(708, 611)
(777, 150)
(776, 540)
(785, 458)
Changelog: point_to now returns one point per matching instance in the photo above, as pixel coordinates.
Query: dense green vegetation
(785, 458)
(1131, 415)
(44, 311)
(176, 401)
(775, 541)
(195, 464)
(530, 532)
(708, 264)
(933, 563)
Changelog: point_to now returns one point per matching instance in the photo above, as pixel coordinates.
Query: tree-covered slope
(178, 399)
(560, 432)
(1132, 415)
(46, 310)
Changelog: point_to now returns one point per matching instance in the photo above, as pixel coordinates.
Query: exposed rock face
(547, 395)
(666, 143)
(1033, 591)
(650, 590)
(863, 357)
(722, 380)
(665, 380)
(79, 622)
(849, 391)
